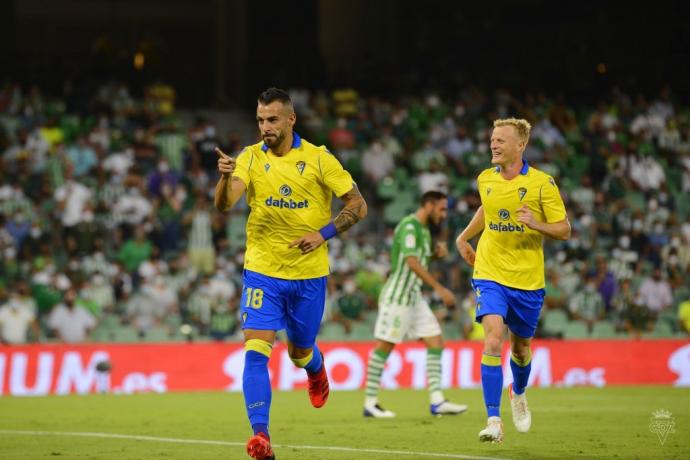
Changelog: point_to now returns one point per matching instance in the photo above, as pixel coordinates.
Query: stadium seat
(575, 330)
(555, 321)
(126, 334)
(387, 188)
(680, 295)
(451, 331)
(395, 211)
(661, 330)
(370, 318)
(603, 330)
(361, 331)
(157, 334)
(103, 333)
(332, 331)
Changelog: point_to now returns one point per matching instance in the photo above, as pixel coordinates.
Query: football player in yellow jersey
(289, 184)
(520, 205)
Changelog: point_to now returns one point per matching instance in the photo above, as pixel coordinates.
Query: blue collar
(523, 171)
(296, 142)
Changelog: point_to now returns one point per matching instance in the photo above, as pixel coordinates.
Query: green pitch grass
(567, 423)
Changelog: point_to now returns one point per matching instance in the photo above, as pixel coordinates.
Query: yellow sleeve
(334, 175)
(243, 164)
(551, 202)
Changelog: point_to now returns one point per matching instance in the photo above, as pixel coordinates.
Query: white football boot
(493, 431)
(522, 417)
(447, 408)
(376, 411)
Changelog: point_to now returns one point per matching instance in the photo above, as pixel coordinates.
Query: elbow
(567, 233)
(220, 205)
(363, 210)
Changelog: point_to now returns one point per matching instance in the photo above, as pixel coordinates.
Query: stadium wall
(35, 370)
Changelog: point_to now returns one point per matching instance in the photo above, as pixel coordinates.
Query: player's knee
(300, 356)
(522, 353)
(493, 344)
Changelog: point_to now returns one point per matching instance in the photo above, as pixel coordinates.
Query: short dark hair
(432, 196)
(274, 94)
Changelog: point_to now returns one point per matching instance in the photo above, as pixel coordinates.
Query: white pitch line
(242, 444)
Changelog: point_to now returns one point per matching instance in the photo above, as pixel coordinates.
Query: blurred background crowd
(108, 231)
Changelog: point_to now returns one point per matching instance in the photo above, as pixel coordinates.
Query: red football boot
(318, 387)
(259, 447)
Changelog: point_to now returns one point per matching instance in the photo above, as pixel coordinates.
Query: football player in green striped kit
(404, 312)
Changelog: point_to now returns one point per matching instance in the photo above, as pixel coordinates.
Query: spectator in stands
(631, 316)
(587, 304)
(224, 320)
(350, 305)
(135, 251)
(201, 252)
(142, 312)
(69, 322)
(606, 281)
(555, 297)
(377, 162)
(655, 293)
(471, 329)
(18, 316)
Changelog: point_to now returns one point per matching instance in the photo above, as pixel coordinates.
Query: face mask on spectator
(637, 224)
(624, 242)
(349, 287)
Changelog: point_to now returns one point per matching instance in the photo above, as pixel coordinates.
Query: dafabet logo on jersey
(285, 191)
(504, 214)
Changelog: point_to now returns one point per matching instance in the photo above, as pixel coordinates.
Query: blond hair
(522, 126)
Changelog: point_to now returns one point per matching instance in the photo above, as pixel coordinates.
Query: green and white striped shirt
(411, 238)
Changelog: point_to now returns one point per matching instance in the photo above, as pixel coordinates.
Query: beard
(274, 141)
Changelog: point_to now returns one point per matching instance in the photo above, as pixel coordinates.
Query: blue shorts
(273, 304)
(519, 308)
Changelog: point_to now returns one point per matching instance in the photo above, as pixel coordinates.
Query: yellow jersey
(509, 252)
(289, 196)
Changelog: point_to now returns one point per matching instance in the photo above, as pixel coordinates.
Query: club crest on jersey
(488, 191)
(267, 167)
(522, 191)
(300, 166)
(503, 214)
(285, 190)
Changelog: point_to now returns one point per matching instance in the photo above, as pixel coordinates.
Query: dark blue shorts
(519, 308)
(294, 305)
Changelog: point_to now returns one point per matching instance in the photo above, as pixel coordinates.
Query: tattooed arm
(355, 210)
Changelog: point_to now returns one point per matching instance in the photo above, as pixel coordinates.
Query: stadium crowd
(107, 229)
